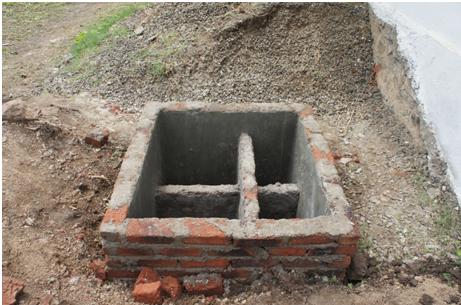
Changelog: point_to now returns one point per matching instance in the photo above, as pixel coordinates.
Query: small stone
(406, 280)
(359, 267)
(29, 221)
(345, 161)
(171, 286)
(74, 280)
(413, 282)
(97, 138)
(148, 293)
(67, 58)
(139, 30)
(206, 284)
(82, 187)
(426, 300)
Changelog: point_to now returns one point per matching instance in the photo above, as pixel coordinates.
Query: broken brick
(147, 275)
(171, 286)
(99, 268)
(97, 138)
(206, 284)
(11, 288)
(148, 293)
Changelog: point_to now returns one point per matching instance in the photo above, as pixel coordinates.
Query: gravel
(312, 53)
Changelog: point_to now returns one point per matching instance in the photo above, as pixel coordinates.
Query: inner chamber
(190, 168)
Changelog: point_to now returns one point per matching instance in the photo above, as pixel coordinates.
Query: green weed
(102, 34)
(365, 241)
(160, 56)
(157, 69)
(95, 34)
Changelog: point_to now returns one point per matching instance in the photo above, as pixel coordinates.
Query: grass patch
(458, 256)
(160, 56)
(157, 69)
(90, 39)
(446, 219)
(448, 223)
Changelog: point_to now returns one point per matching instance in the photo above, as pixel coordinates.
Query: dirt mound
(315, 53)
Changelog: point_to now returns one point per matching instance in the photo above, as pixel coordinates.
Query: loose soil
(56, 187)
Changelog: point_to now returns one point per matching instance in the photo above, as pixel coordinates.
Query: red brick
(180, 252)
(133, 252)
(287, 251)
(157, 263)
(320, 154)
(257, 242)
(203, 232)
(110, 236)
(148, 293)
(239, 273)
(299, 262)
(311, 240)
(345, 240)
(205, 284)
(115, 273)
(147, 275)
(351, 238)
(176, 272)
(346, 249)
(212, 263)
(247, 263)
(232, 253)
(116, 216)
(109, 251)
(171, 286)
(344, 262)
(321, 251)
(99, 268)
(142, 231)
(115, 263)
